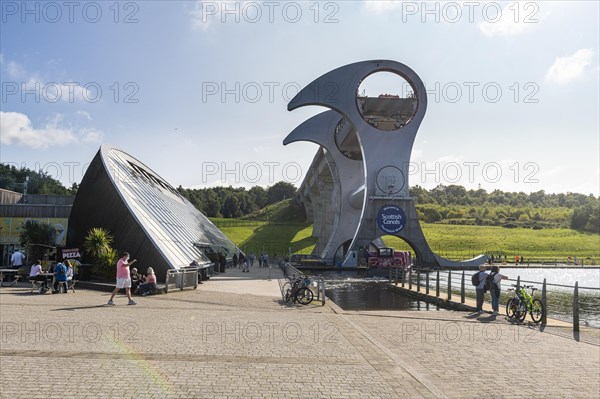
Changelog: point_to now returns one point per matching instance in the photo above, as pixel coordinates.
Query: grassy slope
(274, 229)
(285, 228)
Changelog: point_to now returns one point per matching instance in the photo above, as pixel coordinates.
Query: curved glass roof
(177, 228)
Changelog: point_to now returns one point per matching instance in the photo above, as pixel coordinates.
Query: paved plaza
(232, 338)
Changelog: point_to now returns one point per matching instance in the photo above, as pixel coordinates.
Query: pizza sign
(70, 253)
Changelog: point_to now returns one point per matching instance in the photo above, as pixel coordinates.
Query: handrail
(453, 280)
(557, 285)
(458, 278)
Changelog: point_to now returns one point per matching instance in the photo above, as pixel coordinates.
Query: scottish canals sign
(391, 219)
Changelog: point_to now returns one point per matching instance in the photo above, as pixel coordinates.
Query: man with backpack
(492, 284)
(480, 278)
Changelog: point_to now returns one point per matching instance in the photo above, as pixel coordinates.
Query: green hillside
(286, 211)
(275, 229)
(279, 227)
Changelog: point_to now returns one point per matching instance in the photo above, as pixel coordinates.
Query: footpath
(233, 338)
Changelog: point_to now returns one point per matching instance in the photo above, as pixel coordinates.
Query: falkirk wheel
(356, 189)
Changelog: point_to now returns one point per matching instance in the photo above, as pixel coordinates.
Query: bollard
(410, 279)
(319, 281)
(449, 284)
(418, 280)
(576, 309)
(518, 283)
(427, 283)
(544, 303)
(437, 284)
(403, 277)
(462, 288)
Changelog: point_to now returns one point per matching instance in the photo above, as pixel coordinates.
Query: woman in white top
(495, 289)
(34, 275)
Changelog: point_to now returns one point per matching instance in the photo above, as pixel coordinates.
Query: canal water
(351, 290)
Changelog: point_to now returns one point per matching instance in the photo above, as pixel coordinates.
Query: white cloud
(47, 91)
(567, 69)
(380, 7)
(84, 114)
(511, 20)
(16, 129)
(15, 71)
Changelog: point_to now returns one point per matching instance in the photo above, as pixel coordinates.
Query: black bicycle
(299, 291)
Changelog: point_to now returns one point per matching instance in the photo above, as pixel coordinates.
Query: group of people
(126, 279)
(493, 259)
(141, 284)
(495, 279)
(263, 260)
(62, 272)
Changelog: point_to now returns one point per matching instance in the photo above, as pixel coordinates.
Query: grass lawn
(464, 242)
(257, 237)
(452, 241)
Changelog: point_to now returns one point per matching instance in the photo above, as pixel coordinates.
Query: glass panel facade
(172, 222)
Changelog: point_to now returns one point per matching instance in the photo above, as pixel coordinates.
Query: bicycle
(299, 291)
(522, 303)
(289, 284)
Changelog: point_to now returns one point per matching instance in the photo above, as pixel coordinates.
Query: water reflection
(352, 291)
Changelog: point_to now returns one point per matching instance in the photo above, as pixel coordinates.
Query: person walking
(222, 262)
(17, 259)
(123, 278)
(495, 288)
(479, 290)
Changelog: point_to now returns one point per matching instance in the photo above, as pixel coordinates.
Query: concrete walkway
(260, 281)
(232, 338)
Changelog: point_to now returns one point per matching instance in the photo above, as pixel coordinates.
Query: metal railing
(577, 306)
(291, 273)
(185, 277)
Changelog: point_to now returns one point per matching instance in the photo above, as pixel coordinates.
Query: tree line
(454, 204)
(451, 204)
(230, 202)
(12, 178)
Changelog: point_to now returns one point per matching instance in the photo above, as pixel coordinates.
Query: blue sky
(196, 89)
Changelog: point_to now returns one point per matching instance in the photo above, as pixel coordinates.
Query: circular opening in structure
(386, 101)
(346, 139)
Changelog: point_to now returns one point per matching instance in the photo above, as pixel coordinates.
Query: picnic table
(4, 272)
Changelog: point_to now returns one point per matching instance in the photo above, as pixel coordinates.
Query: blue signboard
(391, 219)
